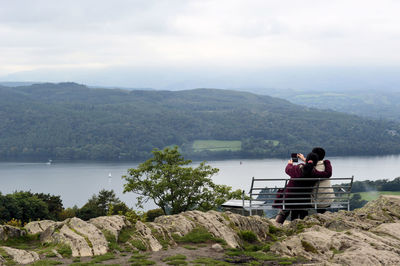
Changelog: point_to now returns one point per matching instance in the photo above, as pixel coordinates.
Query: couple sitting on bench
(313, 167)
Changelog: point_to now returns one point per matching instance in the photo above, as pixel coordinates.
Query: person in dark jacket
(296, 173)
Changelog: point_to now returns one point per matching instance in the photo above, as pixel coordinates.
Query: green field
(217, 145)
(274, 142)
(375, 194)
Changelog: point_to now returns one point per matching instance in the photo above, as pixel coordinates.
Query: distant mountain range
(72, 121)
(377, 104)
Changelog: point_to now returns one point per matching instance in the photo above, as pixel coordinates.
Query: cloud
(246, 34)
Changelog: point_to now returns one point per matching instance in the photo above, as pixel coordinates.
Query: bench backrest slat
(337, 195)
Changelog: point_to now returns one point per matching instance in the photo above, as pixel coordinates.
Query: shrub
(23, 206)
(67, 213)
(104, 257)
(15, 222)
(151, 215)
(137, 243)
(64, 250)
(248, 236)
(308, 247)
(197, 235)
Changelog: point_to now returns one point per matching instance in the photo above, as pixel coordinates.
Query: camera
(294, 157)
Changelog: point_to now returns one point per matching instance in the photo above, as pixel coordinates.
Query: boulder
(217, 247)
(113, 224)
(145, 233)
(92, 234)
(83, 238)
(214, 222)
(8, 231)
(38, 227)
(79, 246)
(220, 225)
(178, 224)
(21, 256)
(260, 226)
(217, 225)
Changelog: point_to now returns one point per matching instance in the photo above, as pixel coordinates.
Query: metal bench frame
(340, 196)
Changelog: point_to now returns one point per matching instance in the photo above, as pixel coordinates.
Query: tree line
(68, 121)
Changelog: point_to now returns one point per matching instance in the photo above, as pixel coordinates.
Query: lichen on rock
(113, 224)
(8, 231)
(21, 256)
(366, 236)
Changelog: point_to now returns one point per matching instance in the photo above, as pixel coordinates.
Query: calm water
(77, 182)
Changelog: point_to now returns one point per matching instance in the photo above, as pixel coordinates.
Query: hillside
(71, 121)
(377, 104)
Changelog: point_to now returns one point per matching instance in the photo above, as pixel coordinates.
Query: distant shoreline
(39, 161)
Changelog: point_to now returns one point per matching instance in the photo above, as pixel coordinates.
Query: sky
(182, 44)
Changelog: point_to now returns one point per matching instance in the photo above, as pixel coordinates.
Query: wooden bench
(264, 192)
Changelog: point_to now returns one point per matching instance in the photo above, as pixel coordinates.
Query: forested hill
(71, 121)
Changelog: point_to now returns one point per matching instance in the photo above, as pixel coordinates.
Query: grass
(217, 145)
(256, 257)
(199, 235)
(190, 247)
(141, 259)
(335, 251)
(64, 250)
(126, 234)
(137, 243)
(164, 241)
(8, 258)
(112, 242)
(308, 247)
(104, 257)
(51, 254)
(209, 262)
(177, 262)
(177, 259)
(46, 262)
(248, 236)
(373, 195)
(27, 242)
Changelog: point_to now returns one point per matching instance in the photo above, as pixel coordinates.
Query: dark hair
(308, 167)
(320, 152)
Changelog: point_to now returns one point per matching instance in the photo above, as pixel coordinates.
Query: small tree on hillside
(99, 205)
(173, 186)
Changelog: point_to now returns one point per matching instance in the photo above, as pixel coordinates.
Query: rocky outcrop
(7, 231)
(38, 227)
(64, 234)
(93, 236)
(114, 224)
(84, 238)
(366, 236)
(220, 225)
(146, 233)
(21, 256)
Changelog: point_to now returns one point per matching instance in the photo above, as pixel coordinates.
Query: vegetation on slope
(71, 121)
(377, 104)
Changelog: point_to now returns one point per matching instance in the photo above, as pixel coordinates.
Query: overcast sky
(111, 42)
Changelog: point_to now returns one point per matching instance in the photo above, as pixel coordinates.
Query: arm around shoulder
(326, 173)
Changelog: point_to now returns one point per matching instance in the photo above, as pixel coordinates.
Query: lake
(76, 182)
